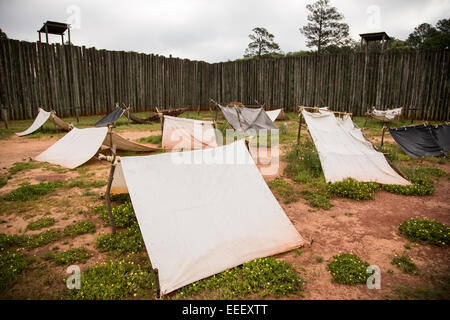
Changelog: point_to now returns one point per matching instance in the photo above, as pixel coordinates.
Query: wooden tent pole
(110, 180)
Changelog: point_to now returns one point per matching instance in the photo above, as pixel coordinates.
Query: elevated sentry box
(52, 27)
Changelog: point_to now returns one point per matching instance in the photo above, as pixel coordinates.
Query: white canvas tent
(273, 114)
(187, 134)
(345, 153)
(75, 148)
(199, 219)
(41, 118)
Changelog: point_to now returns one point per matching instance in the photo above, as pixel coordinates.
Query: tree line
(326, 32)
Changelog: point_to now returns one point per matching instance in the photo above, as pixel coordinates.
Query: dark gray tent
(422, 140)
(110, 117)
(242, 118)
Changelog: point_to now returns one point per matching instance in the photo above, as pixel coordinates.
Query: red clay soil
(366, 228)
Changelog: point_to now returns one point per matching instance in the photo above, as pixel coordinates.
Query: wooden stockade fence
(87, 81)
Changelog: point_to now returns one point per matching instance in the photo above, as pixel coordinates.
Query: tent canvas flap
(110, 117)
(187, 134)
(41, 118)
(242, 118)
(273, 114)
(75, 148)
(224, 213)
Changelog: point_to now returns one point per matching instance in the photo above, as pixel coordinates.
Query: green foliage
(325, 26)
(3, 181)
(156, 139)
(120, 198)
(439, 289)
(394, 153)
(22, 166)
(418, 188)
(43, 238)
(41, 223)
(262, 44)
(84, 184)
(318, 195)
(114, 280)
(404, 263)
(75, 255)
(284, 190)
(424, 230)
(31, 192)
(262, 277)
(11, 265)
(348, 268)
(129, 240)
(353, 189)
(304, 168)
(10, 240)
(79, 228)
(303, 163)
(123, 215)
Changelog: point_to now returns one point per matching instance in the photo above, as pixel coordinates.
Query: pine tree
(325, 27)
(262, 44)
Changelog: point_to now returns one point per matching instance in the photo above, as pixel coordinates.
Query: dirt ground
(367, 228)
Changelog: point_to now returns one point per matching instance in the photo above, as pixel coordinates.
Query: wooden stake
(158, 287)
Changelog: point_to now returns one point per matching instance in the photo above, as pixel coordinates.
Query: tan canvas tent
(187, 134)
(224, 213)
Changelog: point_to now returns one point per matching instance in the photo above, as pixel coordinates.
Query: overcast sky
(209, 30)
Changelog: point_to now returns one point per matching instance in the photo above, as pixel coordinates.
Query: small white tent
(199, 218)
(345, 153)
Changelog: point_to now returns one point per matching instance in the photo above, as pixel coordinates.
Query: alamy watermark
(74, 280)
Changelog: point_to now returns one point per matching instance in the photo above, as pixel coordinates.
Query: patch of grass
(284, 190)
(5, 133)
(84, 184)
(3, 181)
(79, 228)
(22, 166)
(350, 188)
(123, 215)
(404, 263)
(41, 223)
(157, 139)
(71, 256)
(11, 265)
(418, 188)
(394, 153)
(318, 195)
(439, 289)
(305, 169)
(10, 240)
(120, 198)
(43, 238)
(303, 163)
(262, 277)
(319, 259)
(129, 240)
(348, 268)
(31, 192)
(115, 280)
(424, 230)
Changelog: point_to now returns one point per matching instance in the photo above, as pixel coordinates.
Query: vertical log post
(382, 135)
(4, 115)
(110, 180)
(158, 287)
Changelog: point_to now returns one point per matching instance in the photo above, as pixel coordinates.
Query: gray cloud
(210, 30)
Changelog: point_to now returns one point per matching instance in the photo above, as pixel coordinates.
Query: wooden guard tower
(53, 27)
(375, 36)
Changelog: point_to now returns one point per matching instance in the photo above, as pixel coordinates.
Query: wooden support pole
(77, 114)
(68, 29)
(46, 33)
(382, 135)
(110, 180)
(158, 287)
(300, 117)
